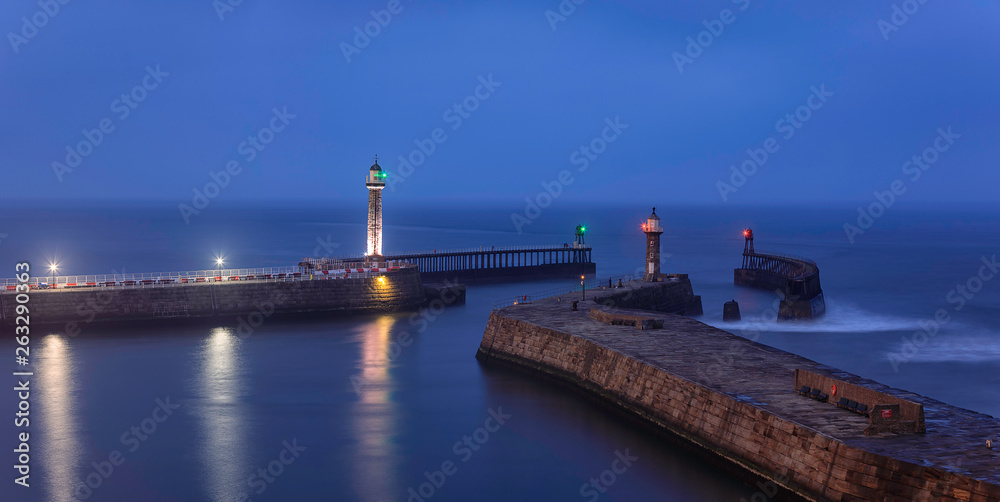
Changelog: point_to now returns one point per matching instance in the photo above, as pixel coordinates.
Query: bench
(813, 393)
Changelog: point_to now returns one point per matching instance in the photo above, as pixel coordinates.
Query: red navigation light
(746, 233)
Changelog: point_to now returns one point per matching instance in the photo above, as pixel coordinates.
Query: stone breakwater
(400, 290)
(737, 401)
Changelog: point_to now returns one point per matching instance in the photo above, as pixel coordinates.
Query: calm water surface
(358, 415)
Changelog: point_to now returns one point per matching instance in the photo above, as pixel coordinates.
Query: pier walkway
(737, 398)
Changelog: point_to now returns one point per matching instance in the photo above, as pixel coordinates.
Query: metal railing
(480, 249)
(171, 279)
(333, 263)
(565, 290)
(799, 267)
(490, 249)
(788, 257)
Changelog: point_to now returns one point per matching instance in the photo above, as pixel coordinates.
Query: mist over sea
(242, 402)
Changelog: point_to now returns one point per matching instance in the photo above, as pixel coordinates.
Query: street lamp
(583, 288)
(218, 262)
(53, 267)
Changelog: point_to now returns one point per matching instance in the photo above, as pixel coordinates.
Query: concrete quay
(736, 401)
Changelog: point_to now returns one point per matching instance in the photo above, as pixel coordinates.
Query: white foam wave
(839, 318)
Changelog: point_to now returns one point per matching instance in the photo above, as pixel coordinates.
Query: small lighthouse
(375, 183)
(653, 230)
(747, 247)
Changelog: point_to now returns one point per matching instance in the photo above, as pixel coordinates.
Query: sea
(396, 406)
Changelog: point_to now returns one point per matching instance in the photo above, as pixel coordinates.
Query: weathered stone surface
(735, 398)
(619, 319)
(673, 294)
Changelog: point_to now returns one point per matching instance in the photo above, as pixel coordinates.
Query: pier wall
(802, 460)
(674, 296)
(911, 413)
(401, 290)
(803, 299)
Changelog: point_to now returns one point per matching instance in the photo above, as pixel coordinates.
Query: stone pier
(739, 402)
(396, 291)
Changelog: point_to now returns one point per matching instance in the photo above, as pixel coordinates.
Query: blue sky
(554, 91)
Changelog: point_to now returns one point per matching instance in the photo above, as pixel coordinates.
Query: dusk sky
(553, 91)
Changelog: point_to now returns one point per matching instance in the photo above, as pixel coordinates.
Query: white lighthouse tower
(375, 184)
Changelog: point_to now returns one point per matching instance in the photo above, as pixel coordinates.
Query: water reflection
(224, 429)
(374, 415)
(57, 417)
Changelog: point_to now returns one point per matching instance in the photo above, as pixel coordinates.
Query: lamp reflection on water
(374, 415)
(220, 384)
(60, 446)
